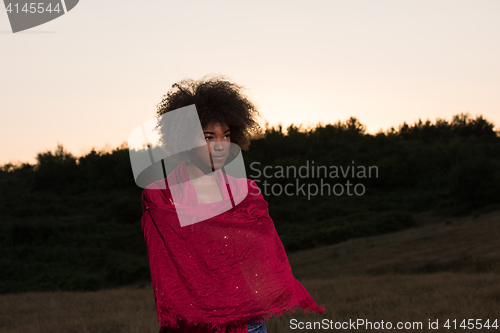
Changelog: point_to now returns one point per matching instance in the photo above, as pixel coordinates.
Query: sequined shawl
(221, 272)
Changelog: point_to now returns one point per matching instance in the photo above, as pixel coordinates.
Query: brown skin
(204, 160)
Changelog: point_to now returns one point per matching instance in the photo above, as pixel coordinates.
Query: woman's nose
(218, 145)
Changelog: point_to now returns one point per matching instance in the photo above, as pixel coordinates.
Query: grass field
(444, 269)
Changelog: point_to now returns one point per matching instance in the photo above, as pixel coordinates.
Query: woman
(217, 263)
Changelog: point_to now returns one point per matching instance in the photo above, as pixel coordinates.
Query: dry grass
(375, 278)
(468, 245)
(415, 298)
(118, 310)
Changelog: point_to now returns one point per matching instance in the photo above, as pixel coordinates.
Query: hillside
(354, 279)
(461, 244)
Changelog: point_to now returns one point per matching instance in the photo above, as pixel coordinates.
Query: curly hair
(217, 100)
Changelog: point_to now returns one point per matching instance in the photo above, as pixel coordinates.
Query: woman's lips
(219, 158)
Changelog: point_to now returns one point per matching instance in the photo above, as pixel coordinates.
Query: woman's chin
(218, 164)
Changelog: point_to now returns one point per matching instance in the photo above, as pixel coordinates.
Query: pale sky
(90, 77)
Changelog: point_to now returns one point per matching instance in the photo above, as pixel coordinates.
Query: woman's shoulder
(253, 188)
(155, 194)
(243, 185)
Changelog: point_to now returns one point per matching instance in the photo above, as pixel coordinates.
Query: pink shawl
(223, 271)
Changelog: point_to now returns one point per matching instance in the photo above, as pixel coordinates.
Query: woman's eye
(211, 137)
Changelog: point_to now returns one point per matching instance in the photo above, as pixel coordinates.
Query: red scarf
(223, 271)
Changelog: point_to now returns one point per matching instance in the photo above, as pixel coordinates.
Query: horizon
(108, 148)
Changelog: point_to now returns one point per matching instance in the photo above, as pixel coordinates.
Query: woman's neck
(197, 175)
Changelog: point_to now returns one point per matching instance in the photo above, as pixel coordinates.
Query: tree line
(73, 223)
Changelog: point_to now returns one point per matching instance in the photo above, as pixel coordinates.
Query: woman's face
(212, 156)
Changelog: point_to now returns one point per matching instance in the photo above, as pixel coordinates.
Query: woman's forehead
(215, 127)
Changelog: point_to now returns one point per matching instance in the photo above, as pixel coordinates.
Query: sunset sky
(90, 77)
